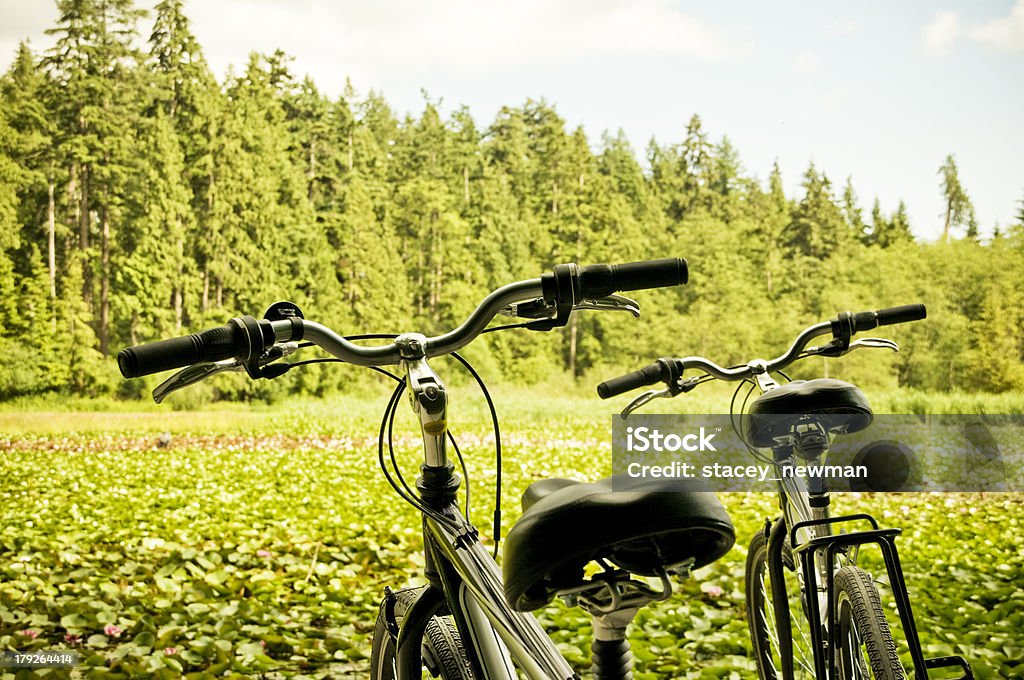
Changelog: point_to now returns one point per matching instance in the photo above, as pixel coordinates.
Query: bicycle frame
(458, 567)
(807, 521)
(817, 551)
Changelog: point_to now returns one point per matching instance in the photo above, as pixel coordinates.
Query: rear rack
(832, 545)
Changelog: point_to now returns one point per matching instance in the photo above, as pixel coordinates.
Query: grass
(259, 539)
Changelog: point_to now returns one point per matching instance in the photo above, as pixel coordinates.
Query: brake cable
(390, 412)
(497, 449)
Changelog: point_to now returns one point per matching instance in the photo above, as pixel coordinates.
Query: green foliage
(264, 549)
(141, 199)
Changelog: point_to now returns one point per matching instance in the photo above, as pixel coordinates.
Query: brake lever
(612, 303)
(199, 372)
(875, 343)
(647, 396)
(191, 375)
(834, 350)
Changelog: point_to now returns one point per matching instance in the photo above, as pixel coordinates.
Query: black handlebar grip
(904, 314)
(224, 342)
(599, 280)
(648, 375)
(865, 321)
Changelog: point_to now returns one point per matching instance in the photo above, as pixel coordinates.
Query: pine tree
(95, 65)
(996, 361)
(852, 211)
(725, 185)
(817, 226)
(10, 179)
(900, 225)
(695, 167)
(959, 211)
(152, 261)
(28, 144)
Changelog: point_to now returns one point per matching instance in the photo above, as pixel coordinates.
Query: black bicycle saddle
(824, 396)
(650, 525)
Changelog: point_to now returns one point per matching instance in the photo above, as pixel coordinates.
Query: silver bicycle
(472, 619)
(811, 610)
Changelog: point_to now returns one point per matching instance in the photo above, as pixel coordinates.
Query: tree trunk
(84, 220)
(206, 287)
(949, 217)
(439, 277)
(105, 282)
(83, 213)
(178, 297)
(311, 173)
(51, 235)
(419, 281)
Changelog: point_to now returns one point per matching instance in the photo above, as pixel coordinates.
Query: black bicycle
(811, 610)
(472, 620)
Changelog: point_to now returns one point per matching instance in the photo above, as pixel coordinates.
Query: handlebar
(865, 321)
(601, 280)
(669, 370)
(246, 338)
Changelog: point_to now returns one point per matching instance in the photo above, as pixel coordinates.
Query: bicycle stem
(428, 397)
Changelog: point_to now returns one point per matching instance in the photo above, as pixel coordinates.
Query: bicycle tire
(761, 620)
(442, 651)
(863, 627)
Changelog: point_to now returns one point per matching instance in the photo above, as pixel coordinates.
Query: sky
(874, 90)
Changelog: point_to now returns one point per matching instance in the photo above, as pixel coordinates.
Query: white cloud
(1005, 34)
(942, 32)
(805, 64)
(371, 39)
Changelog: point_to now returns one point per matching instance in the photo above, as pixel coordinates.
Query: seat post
(612, 657)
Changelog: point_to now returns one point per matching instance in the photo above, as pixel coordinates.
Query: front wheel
(865, 646)
(773, 651)
(442, 651)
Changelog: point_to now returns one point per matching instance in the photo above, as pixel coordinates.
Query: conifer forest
(143, 198)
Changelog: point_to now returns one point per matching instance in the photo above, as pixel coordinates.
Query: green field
(259, 539)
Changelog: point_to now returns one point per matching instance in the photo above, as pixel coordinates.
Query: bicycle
(472, 619)
(812, 611)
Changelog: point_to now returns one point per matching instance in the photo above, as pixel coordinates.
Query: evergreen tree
(95, 64)
(152, 260)
(817, 226)
(725, 181)
(886, 232)
(995, 363)
(959, 211)
(140, 197)
(852, 211)
(695, 167)
(11, 177)
(899, 226)
(27, 142)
